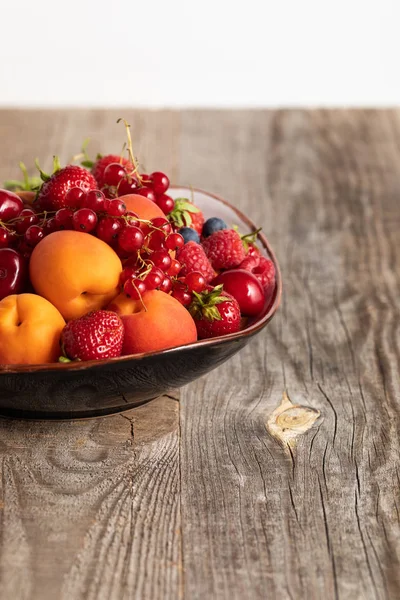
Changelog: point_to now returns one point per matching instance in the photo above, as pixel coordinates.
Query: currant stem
(130, 149)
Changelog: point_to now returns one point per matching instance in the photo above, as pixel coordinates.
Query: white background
(200, 52)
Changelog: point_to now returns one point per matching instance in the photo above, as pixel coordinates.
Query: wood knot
(288, 420)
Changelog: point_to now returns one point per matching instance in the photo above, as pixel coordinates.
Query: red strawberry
(192, 258)
(186, 214)
(224, 249)
(97, 335)
(51, 195)
(103, 161)
(261, 267)
(215, 313)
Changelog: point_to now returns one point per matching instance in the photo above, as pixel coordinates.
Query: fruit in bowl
(155, 283)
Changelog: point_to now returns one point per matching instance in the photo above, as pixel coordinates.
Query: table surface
(277, 475)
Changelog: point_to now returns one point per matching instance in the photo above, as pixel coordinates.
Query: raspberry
(193, 258)
(224, 249)
(263, 268)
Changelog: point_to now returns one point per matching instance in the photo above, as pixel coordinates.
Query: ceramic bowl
(94, 388)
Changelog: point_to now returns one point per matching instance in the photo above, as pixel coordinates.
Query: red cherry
(160, 182)
(108, 229)
(74, 197)
(166, 203)
(166, 285)
(94, 200)
(174, 241)
(195, 282)
(12, 272)
(33, 235)
(135, 288)
(146, 192)
(245, 287)
(161, 259)
(63, 218)
(4, 238)
(85, 220)
(130, 239)
(113, 174)
(115, 208)
(11, 205)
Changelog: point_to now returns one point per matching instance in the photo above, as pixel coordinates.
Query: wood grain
(205, 501)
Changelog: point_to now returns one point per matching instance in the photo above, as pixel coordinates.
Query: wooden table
(209, 493)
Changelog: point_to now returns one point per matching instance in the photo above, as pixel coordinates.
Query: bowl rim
(249, 330)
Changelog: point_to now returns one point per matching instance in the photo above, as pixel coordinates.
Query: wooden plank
(317, 516)
(89, 509)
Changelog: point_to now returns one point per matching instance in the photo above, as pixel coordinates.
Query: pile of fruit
(98, 261)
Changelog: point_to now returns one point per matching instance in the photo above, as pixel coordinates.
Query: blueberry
(189, 235)
(212, 225)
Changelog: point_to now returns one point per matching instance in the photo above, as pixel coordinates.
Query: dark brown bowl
(94, 388)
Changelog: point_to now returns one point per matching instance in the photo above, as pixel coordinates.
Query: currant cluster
(119, 180)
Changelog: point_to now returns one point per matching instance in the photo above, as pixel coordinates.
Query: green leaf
(87, 163)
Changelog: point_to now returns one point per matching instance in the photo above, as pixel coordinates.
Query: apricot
(157, 322)
(30, 329)
(75, 271)
(143, 207)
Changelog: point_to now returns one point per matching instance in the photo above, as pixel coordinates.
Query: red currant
(146, 192)
(161, 223)
(132, 218)
(94, 200)
(84, 219)
(160, 182)
(128, 185)
(195, 281)
(166, 285)
(127, 273)
(74, 197)
(161, 259)
(155, 240)
(134, 288)
(108, 229)
(63, 218)
(146, 180)
(183, 296)
(130, 239)
(115, 208)
(174, 241)
(154, 278)
(28, 217)
(166, 203)
(113, 174)
(33, 235)
(49, 226)
(174, 268)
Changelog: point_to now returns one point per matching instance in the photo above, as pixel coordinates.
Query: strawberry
(186, 214)
(263, 268)
(97, 335)
(102, 162)
(193, 258)
(215, 313)
(224, 249)
(52, 193)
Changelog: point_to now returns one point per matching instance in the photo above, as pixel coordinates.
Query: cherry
(63, 218)
(107, 229)
(12, 272)
(26, 218)
(113, 174)
(154, 278)
(195, 282)
(75, 197)
(128, 185)
(85, 220)
(10, 205)
(166, 285)
(94, 200)
(33, 235)
(174, 241)
(146, 192)
(161, 259)
(166, 203)
(245, 287)
(160, 182)
(130, 239)
(135, 288)
(4, 238)
(115, 208)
